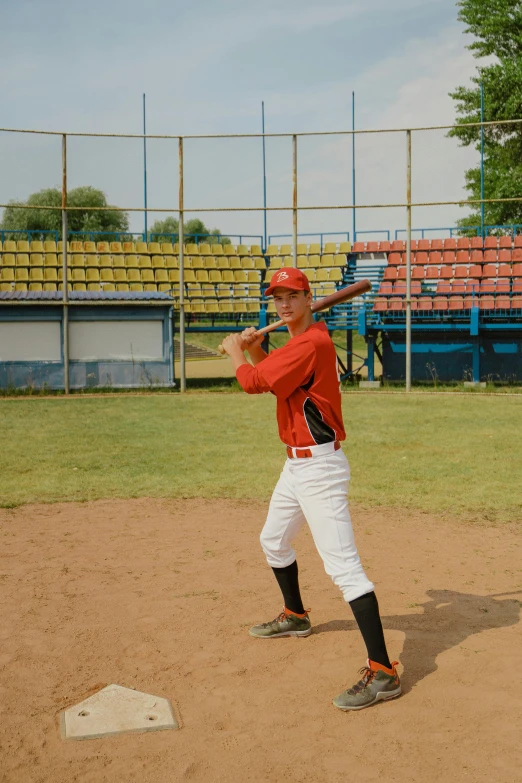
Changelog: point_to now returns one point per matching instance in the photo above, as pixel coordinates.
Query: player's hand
(233, 344)
(250, 338)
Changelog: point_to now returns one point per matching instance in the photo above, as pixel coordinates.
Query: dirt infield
(158, 595)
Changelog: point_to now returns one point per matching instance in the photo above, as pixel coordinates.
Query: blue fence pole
(144, 170)
(264, 172)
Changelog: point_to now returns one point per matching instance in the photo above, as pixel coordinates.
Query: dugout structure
(111, 340)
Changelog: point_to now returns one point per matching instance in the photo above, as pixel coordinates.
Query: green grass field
(459, 455)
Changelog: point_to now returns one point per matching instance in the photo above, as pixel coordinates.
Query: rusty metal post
(294, 205)
(65, 292)
(182, 374)
(408, 261)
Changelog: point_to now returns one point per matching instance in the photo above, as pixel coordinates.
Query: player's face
(291, 306)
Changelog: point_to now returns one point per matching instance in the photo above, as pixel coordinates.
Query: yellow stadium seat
(310, 273)
(211, 306)
(276, 262)
(202, 275)
(204, 249)
(35, 286)
(20, 287)
(133, 275)
(189, 276)
(193, 289)
(259, 263)
(6, 286)
(49, 246)
(315, 249)
(147, 276)
(49, 287)
(154, 248)
(322, 275)
(217, 250)
(36, 259)
(158, 262)
(229, 250)
(269, 275)
(247, 262)
(76, 247)
(108, 287)
(271, 306)
(77, 260)
(227, 275)
(106, 275)
(214, 275)
(327, 259)
(22, 246)
(36, 246)
(242, 250)
(21, 273)
(223, 289)
(141, 248)
(89, 247)
(240, 307)
(79, 287)
(129, 247)
(131, 261)
(164, 288)
(339, 259)
(167, 249)
(208, 289)
(50, 259)
(59, 272)
(161, 276)
(210, 262)
(240, 276)
(8, 259)
(175, 247)
(118, 261)
(145, 262)
(302, 262)
(174, 275)
(302, 250)
(103, 247)
(254, 289)
(222, 263)
(330, 247)
(336, 274)
(255, 250)
(50, 275)
(115, 247)
(77, 275)
(197, 262)
(226, 306)
(123, 287)
(192, 249)
(288, 261)
(92, 275)
(36, 274)
(136, 287)
(253, 276)
(240, 290)
(272, 250)
(105, 260)
(253, 306)
(22, 259)
(234, 262)
(345, 247)
(120, 275)
(92, 261)
(9, 246)
(171, 262)
(285, 250)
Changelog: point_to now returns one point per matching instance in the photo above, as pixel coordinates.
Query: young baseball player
(313, 486)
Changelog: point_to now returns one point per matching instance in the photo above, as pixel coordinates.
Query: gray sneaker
(375, 685)
(286, 624)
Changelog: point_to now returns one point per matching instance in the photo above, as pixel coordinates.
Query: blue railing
(29, 233)
(511, 227)
(380, 231)
(195, 238)
(320, 234)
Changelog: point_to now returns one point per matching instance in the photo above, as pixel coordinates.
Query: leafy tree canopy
(194, 230)
(497, 28)
(84, 219)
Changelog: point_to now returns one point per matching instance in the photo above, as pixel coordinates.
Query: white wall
(115, 340)
(29, 341)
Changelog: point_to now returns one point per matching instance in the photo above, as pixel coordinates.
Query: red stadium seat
(400, 288)
(432, 273)
(417, 273)
(516, 270)
(443, 287)
(506, 242)
(461, 271)
(462, 257)
(435, 257)
(390, 273)
(399, 245)
(463, 243)
(517, 254)
(414, 303)
(489, 270)
(490, 256)
(416, 287)
(516, 303)
(474, 271)
(401, 273)
(449, 257)
(517, 285)
(456, 303)
(458, 286)
(394, 259)
(504, 256)
(372, 247)
(423, 244)
(504, 270)
(395, 304)
(414, 245)
(436, 244)
(477, 243)
(385, 288)
(491, 242)
(358, 247)
(503, 286)
(446, 272)
(472, 286)
(421, 257)
(384, 247)
(502, 303)
(488, 286)
(518, 241)
(487, 302)
(450, 244)
(440, 303)
(425, 304)
(476, 257)
(380, 305)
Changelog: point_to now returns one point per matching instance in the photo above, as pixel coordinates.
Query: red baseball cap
(288, 277)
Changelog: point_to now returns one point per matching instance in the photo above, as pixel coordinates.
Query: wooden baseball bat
(342, 295)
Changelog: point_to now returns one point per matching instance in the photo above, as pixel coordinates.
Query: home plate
(116, 710)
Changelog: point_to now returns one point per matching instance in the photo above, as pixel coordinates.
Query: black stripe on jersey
(319, 430)
(308, 384)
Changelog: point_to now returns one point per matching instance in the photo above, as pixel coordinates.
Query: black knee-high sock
(287, 579)
(366, 613)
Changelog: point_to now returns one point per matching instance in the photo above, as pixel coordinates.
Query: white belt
(313, 451)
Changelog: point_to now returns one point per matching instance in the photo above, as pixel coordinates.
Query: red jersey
(304, 377)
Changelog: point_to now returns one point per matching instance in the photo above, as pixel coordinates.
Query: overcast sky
(205, 67)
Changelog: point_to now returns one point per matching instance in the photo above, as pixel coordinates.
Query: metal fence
(408, 180)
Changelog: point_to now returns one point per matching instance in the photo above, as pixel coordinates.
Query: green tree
(497, 27)
(25, 218)
(194, 230)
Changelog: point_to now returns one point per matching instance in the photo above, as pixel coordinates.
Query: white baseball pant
(315, 490)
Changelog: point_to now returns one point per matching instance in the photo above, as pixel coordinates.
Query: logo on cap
(282, 276)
